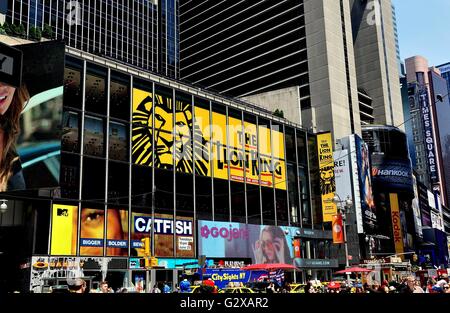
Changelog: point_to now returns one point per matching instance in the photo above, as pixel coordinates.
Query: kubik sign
(428, 132)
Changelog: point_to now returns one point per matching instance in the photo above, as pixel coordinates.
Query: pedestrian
(104, 288)
(77, 286)
(185, 286)
(446, 288)
(156, 289)
(166, 288)
(271, 288)
(309, 288)
(408, 285)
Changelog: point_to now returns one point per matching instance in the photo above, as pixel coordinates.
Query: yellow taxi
(236, 290)
(195, 289)
(297, 288)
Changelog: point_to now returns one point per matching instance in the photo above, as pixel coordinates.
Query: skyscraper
(445, 73)
(430, 132)
(322, 63)
(377, 58)
(143, 33)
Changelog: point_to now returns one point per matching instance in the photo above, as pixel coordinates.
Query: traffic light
(153, 262)
(146, 242)
(147, 263)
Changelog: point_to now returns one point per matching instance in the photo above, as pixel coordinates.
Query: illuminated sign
(428, 133)
(396, 223)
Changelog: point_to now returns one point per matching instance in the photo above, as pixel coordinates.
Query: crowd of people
(407, 285)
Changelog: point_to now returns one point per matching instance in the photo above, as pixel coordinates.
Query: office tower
(429, 109)
(445, 73)
(377, 58)
(305, 58)
(143, 33)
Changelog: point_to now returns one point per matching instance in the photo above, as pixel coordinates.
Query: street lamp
(344, 207)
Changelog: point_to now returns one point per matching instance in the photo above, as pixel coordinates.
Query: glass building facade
(104, 168)
(142, 33)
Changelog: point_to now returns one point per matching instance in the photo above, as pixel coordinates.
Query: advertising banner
(297, 248)
(178, 137)
(338, 229)
(416, 210)
(261, 243)
(64, 230)
(423, 204)
(226, 277)
(396, 224)
(366, 218)
(428, 133)
(436, 221)
(117, 233)
(350, 143)
(368, 208)
(92, 231)
(45, 270)
(31, 99)
(326, 172)
(390, 175)
(164, 231)
(342, 174)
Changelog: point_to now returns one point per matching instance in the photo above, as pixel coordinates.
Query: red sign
(338, 230)
(297, 251)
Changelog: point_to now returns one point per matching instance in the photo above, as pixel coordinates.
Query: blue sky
(424, 29)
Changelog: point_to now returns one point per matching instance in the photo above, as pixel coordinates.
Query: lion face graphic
(174, 138)
(327, 182)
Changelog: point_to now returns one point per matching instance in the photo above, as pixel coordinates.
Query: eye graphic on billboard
(64, 230)
(326, 172)
(164, 232)
(179, 139)
(31, 98)
(92, 231)
(261, 243)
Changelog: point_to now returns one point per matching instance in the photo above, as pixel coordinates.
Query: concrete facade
(330, 98)
(376, 58)
(286, 99)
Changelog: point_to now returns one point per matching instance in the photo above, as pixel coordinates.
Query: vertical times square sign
(428, 133)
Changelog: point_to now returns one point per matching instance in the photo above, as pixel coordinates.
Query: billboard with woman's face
(262, 243)
(31, 98)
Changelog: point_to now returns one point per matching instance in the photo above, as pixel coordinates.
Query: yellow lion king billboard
(184, 139)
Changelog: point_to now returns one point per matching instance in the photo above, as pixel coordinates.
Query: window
(70, 140)
(93, 179)
(73, 95)
(118, 183)
(293, 195)
(268, 206)
(141, 186)
(119, 106)
(93, 136)
(96, 90)
(70, 176)
(118, 141)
